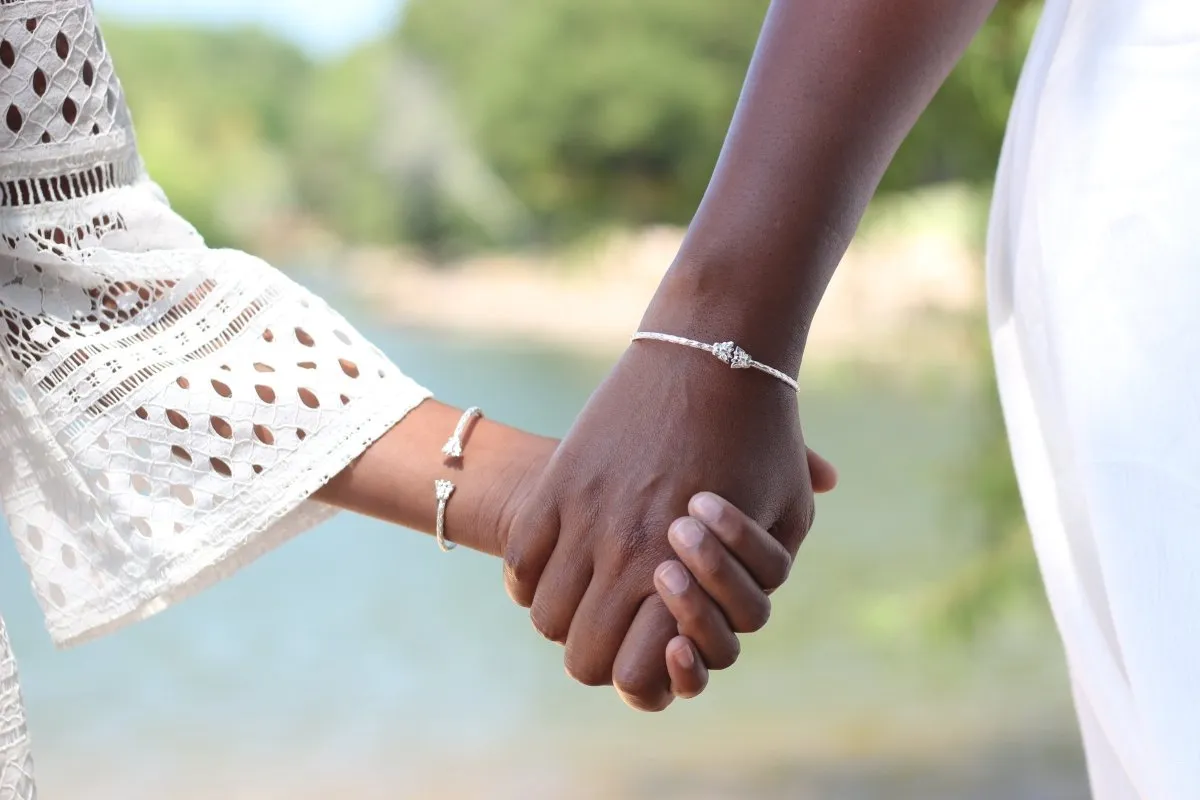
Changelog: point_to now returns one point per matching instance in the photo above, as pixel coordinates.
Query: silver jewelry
(454, 445)
(726, 352)
(443, 489)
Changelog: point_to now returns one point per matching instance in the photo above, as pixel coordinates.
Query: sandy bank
(910, 278)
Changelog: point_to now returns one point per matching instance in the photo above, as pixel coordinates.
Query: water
(359, 661)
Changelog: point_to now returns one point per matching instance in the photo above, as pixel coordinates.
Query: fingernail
(707, 507)
(686, 533)
(684, 656)
(673, 578)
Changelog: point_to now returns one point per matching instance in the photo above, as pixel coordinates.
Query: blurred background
(491, 189)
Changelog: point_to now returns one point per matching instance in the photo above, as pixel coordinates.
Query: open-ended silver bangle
(453, 448)
(442, 488)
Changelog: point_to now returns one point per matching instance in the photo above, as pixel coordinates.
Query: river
(359, 661)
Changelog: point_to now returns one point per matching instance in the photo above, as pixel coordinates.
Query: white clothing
(166, 410)
(1094, 301)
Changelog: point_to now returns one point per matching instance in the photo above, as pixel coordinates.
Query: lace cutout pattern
(163, 412)
(16, 762)
(166, 410)
(65, 131)
(57, 240)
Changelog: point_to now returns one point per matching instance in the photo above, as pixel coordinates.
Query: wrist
(502, 465)
(711, 303)
(394, 478)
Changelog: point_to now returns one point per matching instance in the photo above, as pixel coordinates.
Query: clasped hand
(588, 551)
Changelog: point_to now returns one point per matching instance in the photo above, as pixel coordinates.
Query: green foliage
(613, 111)
(215, 112)
(335, 150)
(959, 136)
(997, 581)
(592, 110)
(1004, 570)
(244, 132)
(495, 121)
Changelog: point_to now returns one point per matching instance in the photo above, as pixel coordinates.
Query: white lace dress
(166, 410)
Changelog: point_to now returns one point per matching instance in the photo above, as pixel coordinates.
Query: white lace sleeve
(16, 761)
(166, 410)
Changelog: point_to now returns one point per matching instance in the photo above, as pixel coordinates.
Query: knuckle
(756, 617)
(688, 610)
(525, 521)
(791, 530)
(518, 594)
(519, 579)
(629, 543)
(641, 690)
(588, 673)
(736, 537)
(548, 626)
(726, 656)
(806, 513)
(776, 571)
(514, 563)
(518, 598)
(650, 704)
(710, 562)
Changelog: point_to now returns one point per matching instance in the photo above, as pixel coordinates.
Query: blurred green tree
(593, 111)
(215, 112)
(496, 121)
(503, 121)
(613, 111)
(1003, 572)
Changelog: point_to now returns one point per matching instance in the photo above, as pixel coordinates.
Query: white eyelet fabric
(166, 410)
(16, 761)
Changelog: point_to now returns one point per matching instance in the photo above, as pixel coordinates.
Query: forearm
(393, 479)
(834, 87)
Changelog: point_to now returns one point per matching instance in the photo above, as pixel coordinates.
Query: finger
(599, 628)
(689, 676)
(530, 544)
(718, 575)
(640, 673)
(559, 592)
(697, 616)
(822, 473)
(763, 556)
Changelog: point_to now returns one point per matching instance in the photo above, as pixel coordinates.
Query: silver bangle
(443, 489)
(726, 352)
(453, 448)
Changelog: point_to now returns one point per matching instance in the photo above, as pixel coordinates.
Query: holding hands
(645, 541)
(592, 548)
(728, 565)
